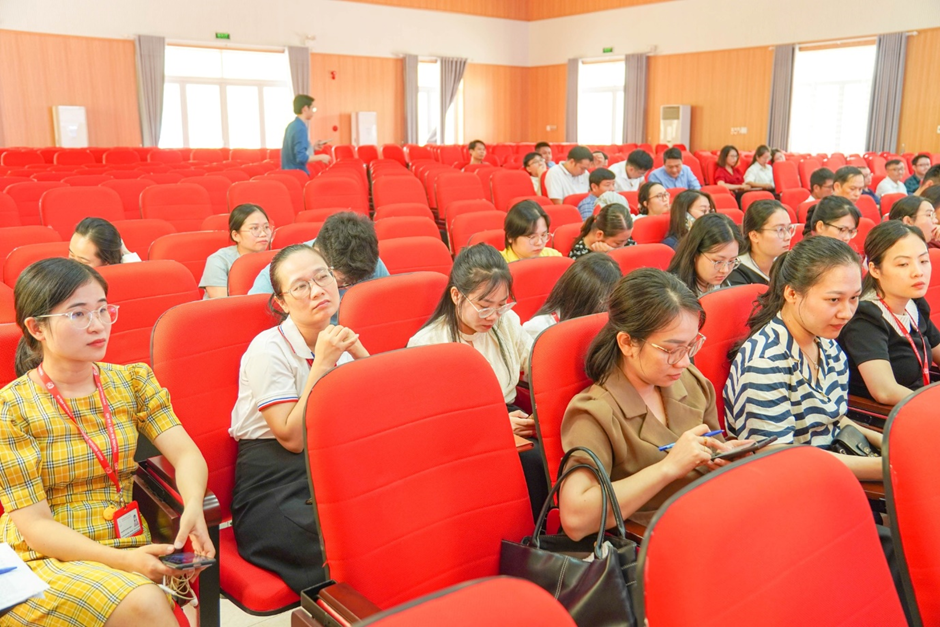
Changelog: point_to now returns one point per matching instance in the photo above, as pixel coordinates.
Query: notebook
(19, 584)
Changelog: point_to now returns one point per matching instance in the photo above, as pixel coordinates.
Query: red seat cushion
(254, 589)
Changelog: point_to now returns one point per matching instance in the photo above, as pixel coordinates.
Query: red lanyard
(925, 362)
(109, 468)
(555, 317)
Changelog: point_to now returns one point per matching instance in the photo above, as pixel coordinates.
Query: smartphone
(740, 451)
(186, 561)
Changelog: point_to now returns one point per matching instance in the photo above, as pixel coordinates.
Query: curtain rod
(223, 44)
(836, 42)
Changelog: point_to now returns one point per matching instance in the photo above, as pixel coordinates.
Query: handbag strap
(543, 515)
(604, 479)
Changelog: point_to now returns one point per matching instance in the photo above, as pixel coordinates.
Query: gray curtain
(411, 98)
(150, 56)
(571, 102)
(781, 86)
(452, 69)
(299, 59)
(634, 99)
(884, 111)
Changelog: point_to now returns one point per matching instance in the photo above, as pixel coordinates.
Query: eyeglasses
(535, 239)
(783, 232)
(723, 265)
(303, 289)
(663, 196)
(843, 230)
(675, 355)
(257, 230)
(930, 213)
(486, 312)
(81, 318)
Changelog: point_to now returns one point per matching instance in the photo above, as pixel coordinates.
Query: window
(829, 105)
(429, 100)
(600, 102)
(218, 97)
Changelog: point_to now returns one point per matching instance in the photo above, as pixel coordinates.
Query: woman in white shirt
(96, 242)
(273, 521)
(761, 174)
(582, 290)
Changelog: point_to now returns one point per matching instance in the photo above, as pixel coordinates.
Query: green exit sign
(608, 50)
(222, 36)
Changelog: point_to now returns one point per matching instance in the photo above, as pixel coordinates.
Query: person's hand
(193, 526)
(746, 187)
(691, 450)
(145, 561)
(320, 143)
(600, 247)
(323, 158)
(543, 168)
(724, 447)
(934, 233)
(522, 424)
(332, 342)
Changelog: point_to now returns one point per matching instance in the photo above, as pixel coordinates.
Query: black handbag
(592, 578)
(851, 441)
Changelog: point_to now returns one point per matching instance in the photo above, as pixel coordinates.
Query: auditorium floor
(231, 616)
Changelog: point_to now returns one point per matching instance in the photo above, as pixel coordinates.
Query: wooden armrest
(874, 490)
(869, 406)
(159, 499)
(340, 602)
(635, 531)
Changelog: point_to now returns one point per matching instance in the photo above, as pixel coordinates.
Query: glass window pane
(204, 116)
(617, 136)
(424, 127)
(265, 66)
(244, 118)
(197, 62)
(610, 74)
(429, 74)
(595, 117)
(277, 114)
(171, 127)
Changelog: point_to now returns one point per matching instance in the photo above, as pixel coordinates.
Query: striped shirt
(769, 390)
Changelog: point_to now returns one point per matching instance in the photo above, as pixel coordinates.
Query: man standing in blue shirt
(673, 173)
(296, 150)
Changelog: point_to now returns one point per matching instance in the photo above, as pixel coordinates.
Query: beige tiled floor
(231, 616)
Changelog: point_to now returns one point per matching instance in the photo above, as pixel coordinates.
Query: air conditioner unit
(365, 131)
(675, 123)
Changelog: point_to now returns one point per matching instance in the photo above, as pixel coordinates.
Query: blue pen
(8, 569)
(710, 434)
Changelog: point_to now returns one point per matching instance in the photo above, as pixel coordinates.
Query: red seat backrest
(726, 314)
(163, 178)
(138, 235)
(9, 339)
(246, 155)
(120, 156)
(630, 258)
(933, 288)
(394, 455)
(160, 155)
(748, 198)
(367, 153)
(494, 237)
(793, 197)
(189, 248)
(73, 157)
(888, 200)
(509, 185)
(651, 229)
(129, 191)
(799, 487)
(63, 208)
(242, 274)
(335, 191)
(295, 189)
(397, 189)
(866, 205)
(183, 205)
(208, 337)
(409, 226)
(394, 152)
(736, 215)
(217, 187)
(27, 195)
(533, 280)
(466, 224)
(554, 382)
(270, 195)
(785, 176)
(22, 256)
(574, 199)
(910, 478)
(386, 312)
(858, 242)
(7, 308)
(296, 233)
(560, 215)
(412, 254)
(807, 167)
(86, 180)
(143, 291)
(215, 222)
(21, 158)
(564, 238)
(403, 209)
(14, 236)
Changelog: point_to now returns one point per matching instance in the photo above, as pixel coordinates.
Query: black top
(742, 275)
(579, 249)
(869, 336)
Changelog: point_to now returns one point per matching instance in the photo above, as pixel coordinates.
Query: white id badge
(127, 521)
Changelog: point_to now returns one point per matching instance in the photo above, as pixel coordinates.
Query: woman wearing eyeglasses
(919, 212)
(652, 200)
(69, 427)
(687, 207)
(833, 216)
(646, 394)
(273, 522)
(767, 233)
(527, 234)
(708, 254)
(250, 232)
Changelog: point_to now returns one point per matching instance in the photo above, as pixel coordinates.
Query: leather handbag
(851, 441)
(592, 578)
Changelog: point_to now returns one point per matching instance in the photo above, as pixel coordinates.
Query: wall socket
(552, 127)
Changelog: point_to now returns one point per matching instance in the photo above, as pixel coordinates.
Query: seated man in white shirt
(534, 164)
(570, 177)
(629, 174)
(894, 182)
(600, 159)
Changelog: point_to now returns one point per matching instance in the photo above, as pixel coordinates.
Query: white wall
(697, 25)
(339, 27)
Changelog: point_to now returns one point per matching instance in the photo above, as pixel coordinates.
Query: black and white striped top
(770, 391)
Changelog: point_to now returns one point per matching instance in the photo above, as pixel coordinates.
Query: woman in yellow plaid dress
(62, 505)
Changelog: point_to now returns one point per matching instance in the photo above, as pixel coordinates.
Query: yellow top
(510, 256)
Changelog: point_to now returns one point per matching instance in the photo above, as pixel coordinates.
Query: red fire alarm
(333, 74)
(335, 128)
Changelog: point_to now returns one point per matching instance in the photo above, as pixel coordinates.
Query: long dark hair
(643, 302)
(723, 156)
(521, 220)
(878, 242)
(584, 288)
(236, 219)
(104, 236)
(756, 217)
(40, 288)
(679, 211)
(829, 209)
(760, 152)
(907, 207)
(709, 232)
(612, 220)
(801, 268)
(475, 267)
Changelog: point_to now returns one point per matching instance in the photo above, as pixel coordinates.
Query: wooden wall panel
(46, 70)
(920, 103)
(495, 99)
(546, 9)
(546, 106)
(508, 9)
(360, 84)
(727, 88)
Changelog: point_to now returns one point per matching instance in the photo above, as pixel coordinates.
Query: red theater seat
(651, 229)
(218, 187)
(630, 258)
(748, 198)
(511, 186)
(564, 238)
(401, 210)
(138, 235)
(494, 237)
(73, 157)
(120, 156)
(456, 186)
(191, 249)
(296, 233)
(295, 189)
(86, 180)
(390, 190)
(785, 176)
(270, 195)
(7, 309)
(21, 257)
(413, 254)
(63, 208)
(559, 215)
(129, 191)
(335, 191)
(183, 205)
(242, 275)
(466, 224)
(27, 195)
(533, 280)
(14, 236)
(411, 226)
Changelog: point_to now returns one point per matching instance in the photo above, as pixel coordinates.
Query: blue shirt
(912, 184)
(295, 152)
(586, 206)
(685, 179)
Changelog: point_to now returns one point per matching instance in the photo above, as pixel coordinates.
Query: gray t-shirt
(217, 266)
